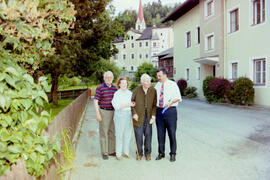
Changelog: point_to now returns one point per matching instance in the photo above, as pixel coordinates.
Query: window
(234, 71)
(258, 11)
(131, 68)
(139, 27)
(234, 20)
(198, 35)
(259, 71)
(146, 43)
(146, 56)
(132, 45)
(124, 46)
(124, 56)
(140, 56)
(140, 44)
(160, 34)
(132, 56)
(132, 37)
(209, 42)
(209, 8)
(124, 68)
(187, 74)
(154, 44)
(198, 73)
(188, 39)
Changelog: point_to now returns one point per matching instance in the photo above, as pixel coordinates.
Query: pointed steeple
(140, 12)
(140, 23)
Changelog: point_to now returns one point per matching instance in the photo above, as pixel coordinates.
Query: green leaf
(28, 78)
(45, 113)
(15, 148)
(40, 149)
(2, 76)
(3, 146)
(12, 71)
(2, 101)
(4, 134)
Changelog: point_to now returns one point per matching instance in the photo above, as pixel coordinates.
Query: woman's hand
(132, 104)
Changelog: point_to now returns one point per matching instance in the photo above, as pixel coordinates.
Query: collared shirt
(121, 98)
(171, 92)
(104, 95)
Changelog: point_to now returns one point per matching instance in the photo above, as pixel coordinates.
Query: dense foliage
(87, 43)
(220, 89)
(206, 89)
(133, 85)
(242, 91)
(182, 84)
(27, 30)
(147, 68)
(190, 92)
(103, 66)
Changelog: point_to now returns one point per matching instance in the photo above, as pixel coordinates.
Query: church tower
(140, 23)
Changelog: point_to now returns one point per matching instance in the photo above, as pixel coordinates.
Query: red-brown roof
(140, 12)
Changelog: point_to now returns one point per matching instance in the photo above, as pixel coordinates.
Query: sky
(121, 5)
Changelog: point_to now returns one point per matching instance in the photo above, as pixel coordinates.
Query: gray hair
(107, 73)
(145, 77)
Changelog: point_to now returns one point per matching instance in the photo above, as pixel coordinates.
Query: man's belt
(108, 109)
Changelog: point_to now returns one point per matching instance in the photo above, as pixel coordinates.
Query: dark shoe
(105, 157)
(112, 154)
(148, 157)
(172, 158)
(160, 156)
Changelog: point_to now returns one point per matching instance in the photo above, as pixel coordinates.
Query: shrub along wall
(68, 118)
(241, 91)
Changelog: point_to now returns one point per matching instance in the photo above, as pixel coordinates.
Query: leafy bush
(147, 68)
(21, 122)
(182, 84)
(133, 85)
(206, 89)
(103, 66)
(242, 91)
(190, 92)
(65, 81)
(220, 89)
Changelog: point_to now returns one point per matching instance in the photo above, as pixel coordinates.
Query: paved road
(215, 142)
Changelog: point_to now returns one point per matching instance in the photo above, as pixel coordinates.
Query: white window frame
(230, 69)
(140, 56)
(146, 56)
(124, 46)
(206, 42)
(206, 9)
(198, 73)
(252, 71)
(229, 20)
(140, 44)
(132, 45)
(188, 45)
(252, 13)
(124, 56)
(133, 56)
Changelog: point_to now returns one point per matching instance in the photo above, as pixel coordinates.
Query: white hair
(145, 77)
(107, 73)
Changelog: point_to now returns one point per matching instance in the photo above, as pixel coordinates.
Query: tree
(103, 66)
(27, 30)
(88, 43)
(147, 68)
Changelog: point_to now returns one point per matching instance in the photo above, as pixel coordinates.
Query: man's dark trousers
(166, 121)
(146, 131)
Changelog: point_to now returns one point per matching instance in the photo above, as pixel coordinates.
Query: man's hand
(135, 117)
(99, 118)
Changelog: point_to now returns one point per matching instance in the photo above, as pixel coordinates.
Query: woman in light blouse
(122, 118)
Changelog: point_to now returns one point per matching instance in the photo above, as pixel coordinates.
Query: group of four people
(121, 113)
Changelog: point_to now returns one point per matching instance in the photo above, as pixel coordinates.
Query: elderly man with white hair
(104, 112)
(144, 112)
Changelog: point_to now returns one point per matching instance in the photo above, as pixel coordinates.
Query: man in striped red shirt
(104, 111)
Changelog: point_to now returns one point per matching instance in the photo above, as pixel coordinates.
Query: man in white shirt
(168, 96)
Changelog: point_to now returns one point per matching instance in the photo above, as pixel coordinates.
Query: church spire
(140, 23)
(140, 12)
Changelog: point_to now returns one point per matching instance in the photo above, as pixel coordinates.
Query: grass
(54, 110)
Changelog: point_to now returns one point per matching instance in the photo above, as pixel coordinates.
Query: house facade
(142, 45)
(223, 38)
